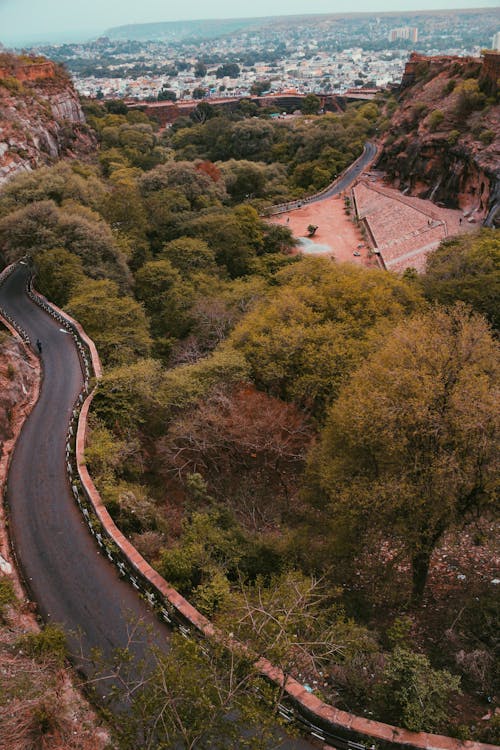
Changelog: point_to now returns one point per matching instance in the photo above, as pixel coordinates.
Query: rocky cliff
(17, 378)
(443, 141)
(41, 119)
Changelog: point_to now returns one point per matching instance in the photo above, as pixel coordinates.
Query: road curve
(350, 174)
(340, 183)
(71, 582)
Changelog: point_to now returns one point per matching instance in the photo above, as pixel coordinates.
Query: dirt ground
(336, 235)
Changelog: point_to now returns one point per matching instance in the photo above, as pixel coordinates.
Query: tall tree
(303, 343)
(411, 445)
(125, 336)
(192, 697)
(466, 268)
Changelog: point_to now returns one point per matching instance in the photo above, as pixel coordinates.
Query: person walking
(39, 346)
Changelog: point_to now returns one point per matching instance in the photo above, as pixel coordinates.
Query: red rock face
(37, 103)
(444, 139)
(16, 381)
(36, 72)
(27, 72)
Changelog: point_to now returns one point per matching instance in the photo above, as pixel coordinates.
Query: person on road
(39, 346)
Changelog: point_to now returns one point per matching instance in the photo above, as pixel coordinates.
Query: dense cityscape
(302, 54)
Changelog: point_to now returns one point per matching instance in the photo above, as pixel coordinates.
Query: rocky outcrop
(443, 142)
(17, 380)
(41, 119)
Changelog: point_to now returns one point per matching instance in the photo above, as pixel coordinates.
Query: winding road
(338, 185)
(71, 582)
(350, 174)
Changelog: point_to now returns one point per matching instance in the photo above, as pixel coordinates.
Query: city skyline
(24, 22)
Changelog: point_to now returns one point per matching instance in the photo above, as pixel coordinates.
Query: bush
(7, 595)
(453, 137)
(435, 119)
(487, 137)
(448, 88)
(47, 645)
(414, 694)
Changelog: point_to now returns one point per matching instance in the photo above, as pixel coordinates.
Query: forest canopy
(279, 429)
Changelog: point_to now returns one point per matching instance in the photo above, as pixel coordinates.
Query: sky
(34, 21)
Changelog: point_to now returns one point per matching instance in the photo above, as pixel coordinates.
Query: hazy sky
(22, 21)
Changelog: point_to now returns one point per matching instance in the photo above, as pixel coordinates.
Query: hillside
(284, 433)
(443, 137)
(41, 119)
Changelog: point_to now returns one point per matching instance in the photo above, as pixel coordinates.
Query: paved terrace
(405, 229)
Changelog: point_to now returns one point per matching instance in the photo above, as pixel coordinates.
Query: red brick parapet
(322, 715)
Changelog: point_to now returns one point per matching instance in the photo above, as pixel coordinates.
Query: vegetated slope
(41, 119)
(211, 436)
(443, 141)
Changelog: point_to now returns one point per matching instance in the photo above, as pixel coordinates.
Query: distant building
(496, 42)
(404, 32)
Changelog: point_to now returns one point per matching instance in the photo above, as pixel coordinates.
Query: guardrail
(322, 721)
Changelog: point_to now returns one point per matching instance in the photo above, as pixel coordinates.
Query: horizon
(30, 14)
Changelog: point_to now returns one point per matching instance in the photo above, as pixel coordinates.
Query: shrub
(47, 645)
(469, 98)
(414, 694)
(453, 137)
(435, 119)
(7, 595)
(487, 137)
(449, 86)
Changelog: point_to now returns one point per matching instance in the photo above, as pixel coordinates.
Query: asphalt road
(340, 184)
(71, 582)
(350, 174)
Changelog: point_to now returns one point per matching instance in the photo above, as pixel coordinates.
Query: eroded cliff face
(443, 142)
(41, 120)
(17, 378)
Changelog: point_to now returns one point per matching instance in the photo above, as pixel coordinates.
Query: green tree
(232, 70)
(125, 336)
(211, 543)
(43, 226)
(166, 298)
(310, 104)
(189, 255)
(127, 397)
(409, 447)
(199, 188)
(234, 237)
(259, 87)
(415, 695)
(194, 697)
(58, 274)
(59, 183)
(303, 343)
(167, 95)
(200, 69)
(467, 269)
